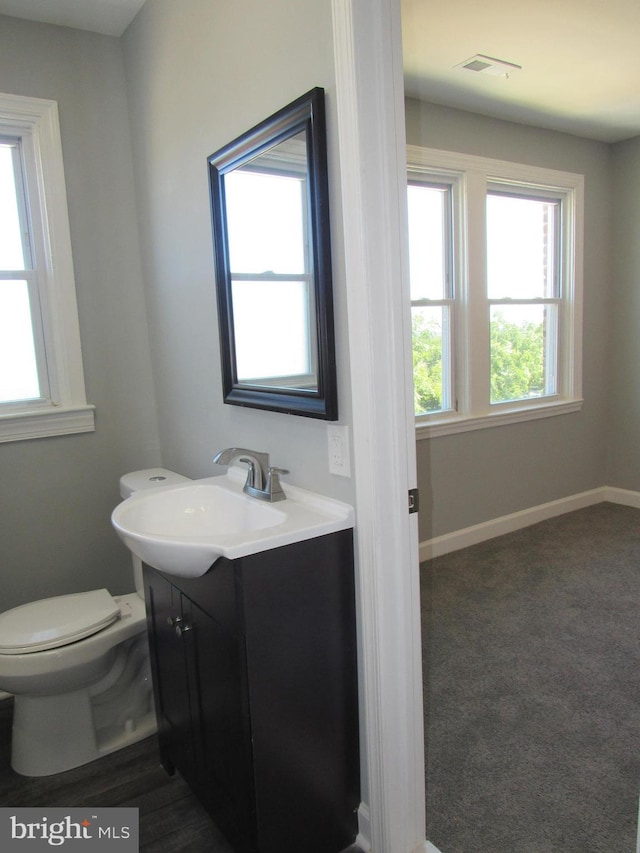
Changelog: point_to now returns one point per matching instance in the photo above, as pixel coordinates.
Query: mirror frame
(306, 114)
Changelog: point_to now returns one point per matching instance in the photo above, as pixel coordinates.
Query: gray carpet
(532, 688)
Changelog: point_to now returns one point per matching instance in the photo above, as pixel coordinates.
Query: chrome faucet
(263, 481)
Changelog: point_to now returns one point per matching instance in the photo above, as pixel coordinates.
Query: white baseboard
(364, 835)
(622, 496)
(364, 828)
(458, 539)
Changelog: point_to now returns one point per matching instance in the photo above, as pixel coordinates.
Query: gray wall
(624, 459)
(195, 76)
(56, 494)
(472, 477)
(198, 75)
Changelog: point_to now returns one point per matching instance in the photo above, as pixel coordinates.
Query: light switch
(339, 457)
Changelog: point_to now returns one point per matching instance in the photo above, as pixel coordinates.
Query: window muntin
(539, 300)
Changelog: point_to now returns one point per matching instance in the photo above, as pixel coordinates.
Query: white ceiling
(109, 17)
(580, 58)
(580, 61)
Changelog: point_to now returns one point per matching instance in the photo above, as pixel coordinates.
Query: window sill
(40, 423)
(463, 423)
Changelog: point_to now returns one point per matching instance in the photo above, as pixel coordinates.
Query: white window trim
(67, 410)
(467, 169)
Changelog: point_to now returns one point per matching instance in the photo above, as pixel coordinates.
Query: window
(41, 382)
(496, 290)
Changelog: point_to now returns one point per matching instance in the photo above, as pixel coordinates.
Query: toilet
(78, 667)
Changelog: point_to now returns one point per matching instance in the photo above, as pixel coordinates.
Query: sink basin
(182, 530)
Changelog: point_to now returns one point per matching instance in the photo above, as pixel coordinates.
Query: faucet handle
(251, 473)
(273, 486)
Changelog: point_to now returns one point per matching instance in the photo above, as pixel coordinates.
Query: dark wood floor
(171, 818)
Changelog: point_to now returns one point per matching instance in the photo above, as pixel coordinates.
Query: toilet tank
(149, 478)
(136, 481)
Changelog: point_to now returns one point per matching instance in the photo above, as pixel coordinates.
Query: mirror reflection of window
(271, 278)
(265, 218)
(279, 312)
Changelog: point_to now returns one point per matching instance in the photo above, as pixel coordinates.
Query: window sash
(43, 397)
(14, 144)
(447, 301)
(446, 385)
(545, 372)
(553, 271)
(446, 240)
(275, 314)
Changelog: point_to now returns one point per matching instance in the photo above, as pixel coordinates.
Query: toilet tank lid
(149, 478)
(53, 622)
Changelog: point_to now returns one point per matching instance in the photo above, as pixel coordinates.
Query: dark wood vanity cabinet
(254, 671)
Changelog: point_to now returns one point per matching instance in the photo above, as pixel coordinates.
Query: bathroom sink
(182, 530)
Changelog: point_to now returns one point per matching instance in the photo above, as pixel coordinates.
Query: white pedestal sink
(182, 530)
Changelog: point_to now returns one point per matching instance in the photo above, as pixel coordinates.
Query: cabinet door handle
(172, 621)
(182, 629)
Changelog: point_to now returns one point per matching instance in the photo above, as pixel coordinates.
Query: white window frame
(64, 409)
(471, 177)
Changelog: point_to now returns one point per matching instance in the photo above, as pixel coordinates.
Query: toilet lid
(53, 622)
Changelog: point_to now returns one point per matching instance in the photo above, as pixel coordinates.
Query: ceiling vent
(488, 65)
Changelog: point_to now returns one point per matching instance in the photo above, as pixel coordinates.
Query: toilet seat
(53, 622)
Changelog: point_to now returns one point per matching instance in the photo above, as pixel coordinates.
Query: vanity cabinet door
(200, 691)
(298, 605)
(221, 729)
(170, 676)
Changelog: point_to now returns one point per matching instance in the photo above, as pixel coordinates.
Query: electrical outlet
(339, 458)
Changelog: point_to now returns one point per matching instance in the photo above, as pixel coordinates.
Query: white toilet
(78, 666)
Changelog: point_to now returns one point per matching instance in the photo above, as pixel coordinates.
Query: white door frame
(370, 105)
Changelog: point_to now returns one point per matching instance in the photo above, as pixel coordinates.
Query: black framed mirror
(270, 218)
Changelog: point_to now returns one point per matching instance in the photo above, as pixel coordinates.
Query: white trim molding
(40, 423)
(363, 839)
(462, 423)
(372, 154)
(63, 409)
(614, 495)
(458, 539)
